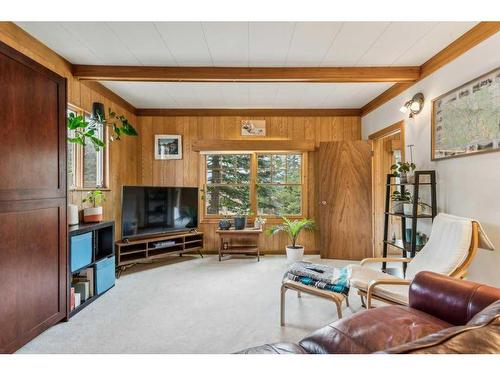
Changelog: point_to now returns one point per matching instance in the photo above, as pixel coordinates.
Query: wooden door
(33, 260)
(345, 200)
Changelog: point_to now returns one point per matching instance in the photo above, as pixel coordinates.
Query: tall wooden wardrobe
(33, 228)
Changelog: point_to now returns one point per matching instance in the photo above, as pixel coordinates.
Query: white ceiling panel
(144, 42)
(394, 42)
(247, 95)
(352, 41)
(311, 42)
(227, 42)
(269, 42)
(186, 41)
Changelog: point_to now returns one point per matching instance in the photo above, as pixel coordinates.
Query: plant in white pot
(398, 200)
(408, 207)
(292, 229)
(402, 170)
(93, 214)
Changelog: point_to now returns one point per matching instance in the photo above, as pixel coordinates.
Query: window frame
(102, 164)
(213, 218)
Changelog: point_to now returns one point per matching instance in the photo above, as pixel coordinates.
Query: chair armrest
(387, 260)
(452, 300)
(374, 283)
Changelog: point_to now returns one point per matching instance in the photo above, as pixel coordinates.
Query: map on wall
(466, 120)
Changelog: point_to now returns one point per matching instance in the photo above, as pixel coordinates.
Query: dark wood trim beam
(239, 74)
(470, 39)
(257, 112)
(252, 145)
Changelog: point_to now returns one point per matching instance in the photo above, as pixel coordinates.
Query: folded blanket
(308, 274)
(318, 272)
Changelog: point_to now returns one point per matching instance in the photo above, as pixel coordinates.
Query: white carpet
(192, 305)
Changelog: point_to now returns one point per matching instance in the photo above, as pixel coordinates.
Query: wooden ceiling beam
(470, 39)
(239, 74)
(251, 112)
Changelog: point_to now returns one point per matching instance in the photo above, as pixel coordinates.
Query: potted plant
(93, 214)
(240, 218)
(401, 170)
(399, 199)
(292, 229)
(408, 206)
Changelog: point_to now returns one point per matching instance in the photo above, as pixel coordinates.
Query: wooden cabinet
(33, 258)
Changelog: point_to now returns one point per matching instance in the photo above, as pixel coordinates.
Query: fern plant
(292, 229)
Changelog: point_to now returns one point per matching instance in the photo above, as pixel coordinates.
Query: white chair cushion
(361, 276)
(447, 248)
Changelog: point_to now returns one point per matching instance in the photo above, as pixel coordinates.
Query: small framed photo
(253, 127)
(168, 147)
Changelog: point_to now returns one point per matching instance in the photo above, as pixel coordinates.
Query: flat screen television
(148, 211)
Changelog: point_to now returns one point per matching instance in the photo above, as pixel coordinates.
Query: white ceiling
(246, 95)
(247, 44)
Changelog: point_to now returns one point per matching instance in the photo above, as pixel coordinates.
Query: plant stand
(408, 246)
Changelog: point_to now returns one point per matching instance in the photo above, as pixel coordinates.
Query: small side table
(244, 234)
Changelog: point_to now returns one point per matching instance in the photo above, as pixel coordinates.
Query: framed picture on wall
(466, 120)
(253, 127)
(168, 147)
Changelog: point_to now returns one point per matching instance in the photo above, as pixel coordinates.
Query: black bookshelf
(408, 246)
(101, 246)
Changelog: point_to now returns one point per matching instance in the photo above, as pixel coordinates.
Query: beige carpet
(192, 305)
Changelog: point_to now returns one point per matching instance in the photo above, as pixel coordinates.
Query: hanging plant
(87, 130)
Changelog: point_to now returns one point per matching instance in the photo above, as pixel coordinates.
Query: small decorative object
(224, 224)
(401, 170)
(253, 127)
(93, 214)
(292, 229)
(399, 199)
(259, 222)
(225, 246)
(83, 129)
(168, 147)
(465, 120)
(414, 105)
(72, 214)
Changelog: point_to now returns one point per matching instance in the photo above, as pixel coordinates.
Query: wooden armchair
(451, 248)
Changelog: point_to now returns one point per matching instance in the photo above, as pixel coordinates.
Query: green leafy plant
(402, 168)
(397, 196)
(95, 198)
(292, 229)
(84, 130)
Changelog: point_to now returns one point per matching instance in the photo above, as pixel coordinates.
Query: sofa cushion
(480, 336)
(372, 330)
(361, 276)
(278, 348)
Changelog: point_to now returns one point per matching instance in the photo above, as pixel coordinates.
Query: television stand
(146, 250)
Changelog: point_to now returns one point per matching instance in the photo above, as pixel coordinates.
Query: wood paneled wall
(123, 162)
(185, 172)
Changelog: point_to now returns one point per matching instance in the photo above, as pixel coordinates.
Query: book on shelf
(82, 288)
(77, 299)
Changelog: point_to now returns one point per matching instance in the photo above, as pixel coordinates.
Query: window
(86, 165)
(269, 184)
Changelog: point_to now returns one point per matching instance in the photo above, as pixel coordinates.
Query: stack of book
(82, 287)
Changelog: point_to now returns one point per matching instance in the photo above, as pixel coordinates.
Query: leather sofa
(445, 315)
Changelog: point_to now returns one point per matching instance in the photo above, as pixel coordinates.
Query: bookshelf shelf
(94, 273)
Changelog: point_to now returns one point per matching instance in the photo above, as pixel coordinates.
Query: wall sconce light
(98, 110)
(414, 105)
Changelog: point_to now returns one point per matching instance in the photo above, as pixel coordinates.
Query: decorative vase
(240, 222)
(224, 224)
(72, 214)
(92, 214)
(294, 254)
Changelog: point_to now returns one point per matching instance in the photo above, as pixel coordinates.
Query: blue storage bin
(81, 251)
(105, 274)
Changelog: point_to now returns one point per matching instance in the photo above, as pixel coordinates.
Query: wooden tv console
(146, 250)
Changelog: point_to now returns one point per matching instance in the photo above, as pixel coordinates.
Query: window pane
(226, 200)
(228, 169)
(293, 169)
(279, 169)
(264, 168)
(279, 200)
(93, 162)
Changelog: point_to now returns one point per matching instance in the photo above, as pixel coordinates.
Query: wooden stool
(337, 298)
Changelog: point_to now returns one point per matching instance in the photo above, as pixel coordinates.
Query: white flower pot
(92, 214)
(294, 254)
(408, 209)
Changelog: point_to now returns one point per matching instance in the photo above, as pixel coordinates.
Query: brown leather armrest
(452, 300)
